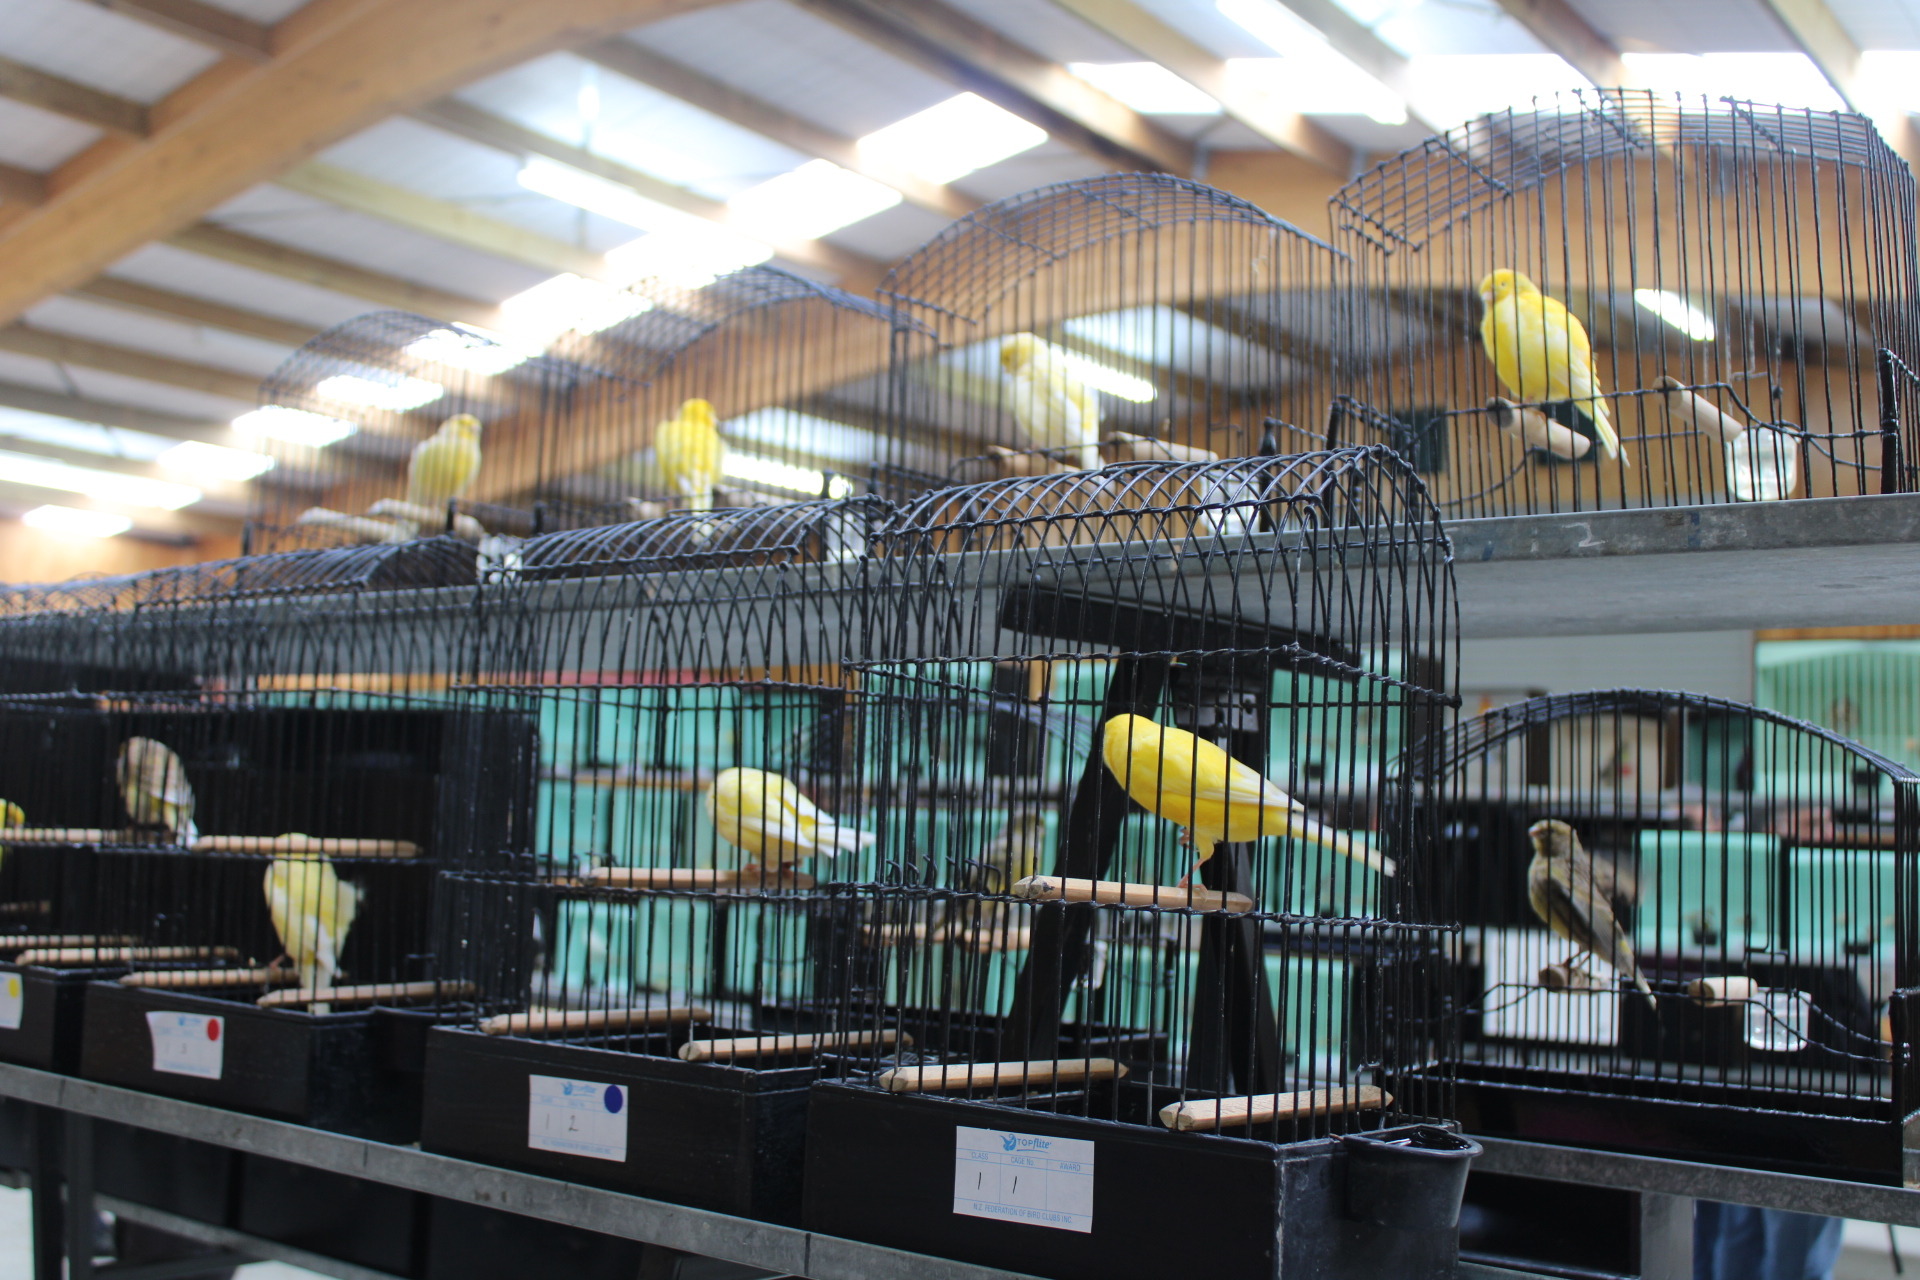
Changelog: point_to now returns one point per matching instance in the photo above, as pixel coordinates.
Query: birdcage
(598, 406)
(1128, 317)
(648, 981)
(1689, 930)
(1630, 299)
(254, 787)
(1118, 1006)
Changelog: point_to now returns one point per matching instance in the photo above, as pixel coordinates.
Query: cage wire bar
(653, 948)
(248, 773)
(567, 409)
(1690, 931)
(1056, 960)
(1740, 282)
(1127, 317)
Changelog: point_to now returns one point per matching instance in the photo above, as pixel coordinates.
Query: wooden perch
(39, 908)
(1219, 1113)
(1722, 993)
(363, 528)
(1569, 977)
(1703, 413)
(1119, 893)
(560, 1022)
(695, 878)
(428, 519)
(303, 846)
(367, 993)
(31, 941)
(122, 955)
(1531, 427)
(1122, 446)
(1011, 463)
(786, 1046)
(1000, 1075)
(209, 979)
(27, 837)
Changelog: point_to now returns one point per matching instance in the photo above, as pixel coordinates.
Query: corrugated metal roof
(197, 344)
(98, 47)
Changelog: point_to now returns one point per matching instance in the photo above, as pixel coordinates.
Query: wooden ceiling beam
(960, 48)
(22, 186)
(855, 272)
(1157, 40)
(1560, 27)
(70, 98)
(329, 70)
(80, 409)
(61, 348)
(440, 218)
(132, 296)
(677, 80)
(288, 263)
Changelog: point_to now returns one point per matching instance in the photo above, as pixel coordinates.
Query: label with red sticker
(188, 1044)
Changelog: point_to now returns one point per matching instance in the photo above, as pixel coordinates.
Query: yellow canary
(1540, 350)
(1055, 409)
(764, 815)
(1192, 782)
(1012, 855)
(154, 787)
(312, 909)
(1568, 897)
(445, 463)
(11, 815)
(691, 453)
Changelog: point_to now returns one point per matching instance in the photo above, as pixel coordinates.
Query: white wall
(1716, 662)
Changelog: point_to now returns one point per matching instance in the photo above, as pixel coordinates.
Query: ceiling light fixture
(197, 457)
(1677, 312)
(595, 194)
(74, 523)
(817, 198)
(1147, 87)
(471, 349)
(394, 392)
(1317, 78)
(779, 475)
(1784, 79)
(294, 426)
(107, 486)
(952, 139)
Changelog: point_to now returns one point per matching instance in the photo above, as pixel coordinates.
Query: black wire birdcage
(649, 960)
(1072, 994)
(1127, 317)
(1689, 930)
(1723, 286)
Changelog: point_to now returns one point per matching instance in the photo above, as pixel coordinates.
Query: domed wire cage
(1753, 871)
(1743, 273)
(792, 371)
(245, 776)
(1119, 318)
(645, 946)
(1054, 964)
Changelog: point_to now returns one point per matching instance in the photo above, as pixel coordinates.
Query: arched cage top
(785, 533)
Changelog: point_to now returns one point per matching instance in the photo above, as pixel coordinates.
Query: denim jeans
(1736, 1242)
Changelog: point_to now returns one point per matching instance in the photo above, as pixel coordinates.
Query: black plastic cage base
(707, 1134)
(51, 1008)
(889, 1169)
(315, 1069)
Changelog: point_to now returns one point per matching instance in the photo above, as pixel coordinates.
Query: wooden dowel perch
(560, 1022)
(1000, 1075)
(1531, 427)
(694, 878)
(122, 955)
(366, 994)
(1703, 413)
(30, 836)
(1124, 446)
(1219, 1113)
(1721, 993)
(361, 527)
(297, 846)
(40, 908)
(786, 1046)
(209, 979)
(1120, 893)
(30, 941)
(428, 519)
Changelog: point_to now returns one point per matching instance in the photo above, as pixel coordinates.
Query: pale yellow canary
(1571, 899)
(154, 787)
(1055, 409)
(691, 453)
(312, 908)
(764, 815)
(11, 815)
(445, 463)
(1192, 782)
(1541, 350)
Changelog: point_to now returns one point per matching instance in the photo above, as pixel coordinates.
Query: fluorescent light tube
(75, 523)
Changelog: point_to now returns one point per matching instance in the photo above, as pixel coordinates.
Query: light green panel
(1695, 885)
(570, 821)
(1339, 737)
(560, 721)
(922, 976)
(1311, 997)
(705, 727)
(1866, 690)
(1842, 898)
(655, 944)
(649, 828)
(767, 950)
(1298, 877)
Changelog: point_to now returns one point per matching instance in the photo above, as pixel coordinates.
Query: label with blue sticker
(577, 1117)
(1022, 1177)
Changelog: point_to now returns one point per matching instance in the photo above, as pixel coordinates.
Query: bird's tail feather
(1345, 843)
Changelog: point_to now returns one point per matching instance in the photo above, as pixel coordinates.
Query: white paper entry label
(1018, 1177)
(13, 1002)
(577, 1117)
(188, 1044)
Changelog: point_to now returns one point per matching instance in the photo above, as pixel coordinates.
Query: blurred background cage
(596, 405)
(1074, 999)
(1121, 318)
(248, 772)
(1738, 279)
(1690, 931)
(649, 985)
